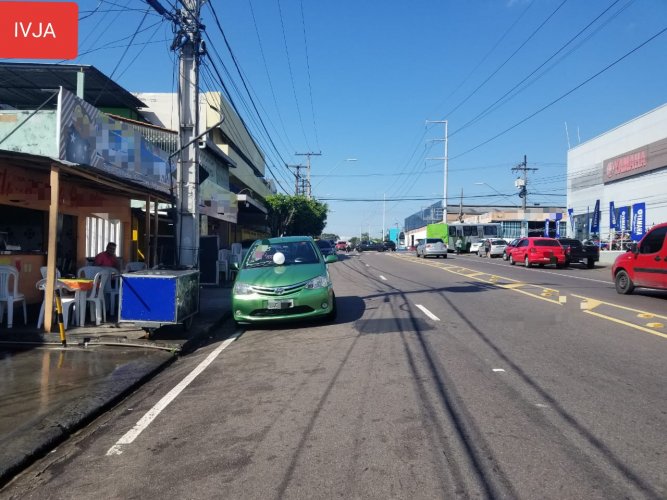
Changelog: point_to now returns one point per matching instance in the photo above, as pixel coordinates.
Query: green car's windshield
(295, 252)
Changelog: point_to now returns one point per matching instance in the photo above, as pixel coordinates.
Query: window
(653, 241)
(546, 243)
(101, 231)
(490, 230)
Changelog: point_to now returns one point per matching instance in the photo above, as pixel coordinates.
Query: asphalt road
(463, 378)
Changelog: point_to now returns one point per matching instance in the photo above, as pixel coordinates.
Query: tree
(329, 237)
(296, 215)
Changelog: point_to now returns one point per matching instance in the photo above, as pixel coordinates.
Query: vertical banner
(623, 219)
(595, 222)
(546, 228)
(638, 221)
(612, 216)
(559, 216)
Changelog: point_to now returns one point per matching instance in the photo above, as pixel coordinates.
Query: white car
(474, 247)
(497, 248)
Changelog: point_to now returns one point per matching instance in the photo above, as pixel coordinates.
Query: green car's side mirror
(331, 258)
(235, 266)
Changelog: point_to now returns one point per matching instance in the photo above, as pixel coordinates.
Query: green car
(283, 279)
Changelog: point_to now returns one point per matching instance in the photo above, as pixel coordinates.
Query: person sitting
(108, 257)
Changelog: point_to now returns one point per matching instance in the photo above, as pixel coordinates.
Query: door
(651, 261)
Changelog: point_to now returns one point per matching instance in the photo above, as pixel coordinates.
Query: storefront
(616, 181)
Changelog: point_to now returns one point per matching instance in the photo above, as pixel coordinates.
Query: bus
(473, 232)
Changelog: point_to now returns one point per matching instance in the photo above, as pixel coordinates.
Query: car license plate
(279, 304)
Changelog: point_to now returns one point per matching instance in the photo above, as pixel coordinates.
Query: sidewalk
(30, 426)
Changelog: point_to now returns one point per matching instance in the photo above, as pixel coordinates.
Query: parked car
(496, 247)
(366, 246)
(341, 245)
(389, 246)
(325, 247)
(645, 264)
(474, 246)
(578, 252)
(509, 246)
(432, 247)
(283, 279)
(537, 250)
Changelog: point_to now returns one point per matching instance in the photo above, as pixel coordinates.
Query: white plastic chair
(45, 270)
(223, 262)
(95, 299)
(66, 301)
(10, 295)
(89, 272)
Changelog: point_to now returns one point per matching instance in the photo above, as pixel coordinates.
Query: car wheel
(526, 262)
(504, 256)
(590, 263)
(623, 283)
(511, 259)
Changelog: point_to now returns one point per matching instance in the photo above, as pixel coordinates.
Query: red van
(644, 264)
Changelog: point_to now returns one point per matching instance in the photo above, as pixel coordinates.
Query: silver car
(432, 247)
(496, 248)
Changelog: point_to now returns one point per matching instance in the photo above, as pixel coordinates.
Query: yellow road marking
(622, 307)
(621, 322)
(645, 315)
(655, 325)
(589, 304)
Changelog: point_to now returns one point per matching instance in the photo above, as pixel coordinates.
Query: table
(80, 287)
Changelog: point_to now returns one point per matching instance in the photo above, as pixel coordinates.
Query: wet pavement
(49, 391)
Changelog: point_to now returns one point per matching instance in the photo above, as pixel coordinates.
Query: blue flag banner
(623, 219)
(638, 221)
(570, 215)
(612, 216)
(595, 222)
(546, 227)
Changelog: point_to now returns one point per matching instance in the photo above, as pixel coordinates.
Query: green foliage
(296, 215)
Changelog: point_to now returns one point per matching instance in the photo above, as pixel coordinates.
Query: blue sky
(359, 80)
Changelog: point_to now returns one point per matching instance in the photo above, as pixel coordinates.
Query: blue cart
(158, 297)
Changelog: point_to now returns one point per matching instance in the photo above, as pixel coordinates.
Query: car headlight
(318, 282)
(242, 289)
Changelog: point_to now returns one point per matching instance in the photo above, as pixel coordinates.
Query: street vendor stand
(157, 297)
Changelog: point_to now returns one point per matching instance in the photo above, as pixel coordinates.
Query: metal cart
(157, 297)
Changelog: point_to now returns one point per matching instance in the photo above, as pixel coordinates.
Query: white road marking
(498, 370)
(383, 278)
(151, 414)
(428, 313)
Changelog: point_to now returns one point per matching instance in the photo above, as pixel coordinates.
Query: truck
(438, 230)
(578, 252)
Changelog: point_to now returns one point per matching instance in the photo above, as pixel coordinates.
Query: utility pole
(445, 160)
(309, 154)
(188, 42)
(187, 177)
(298, 180)
(522, 184)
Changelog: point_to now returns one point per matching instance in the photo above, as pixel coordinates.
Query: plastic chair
(223, 262)
(10, 295)
(95, 299)
(45, 269)
(66, 301)
(89, 272)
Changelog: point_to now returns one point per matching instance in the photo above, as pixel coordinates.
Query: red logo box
(39, 30)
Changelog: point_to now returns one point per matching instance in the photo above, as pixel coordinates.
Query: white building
(624, 173)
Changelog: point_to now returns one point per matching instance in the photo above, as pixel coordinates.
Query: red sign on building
(39, 30)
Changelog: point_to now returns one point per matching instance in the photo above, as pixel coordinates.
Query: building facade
(616, 188)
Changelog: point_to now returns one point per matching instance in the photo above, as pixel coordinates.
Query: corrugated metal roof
(27, 85)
